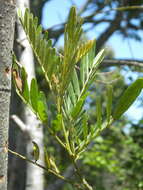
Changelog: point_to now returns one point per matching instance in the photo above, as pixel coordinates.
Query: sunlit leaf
(77, 109)
(128, 97)
(83, 49)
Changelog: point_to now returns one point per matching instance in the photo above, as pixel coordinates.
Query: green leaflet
(79, 105)
(34, 94)
(42, 107)
(47, 160)
(109, 102)
(96, 62)
(98, 112)
(85, 126)
(25, 88)
(72, 94)
(128, 97)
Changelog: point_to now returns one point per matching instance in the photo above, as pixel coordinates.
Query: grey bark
(7, 20)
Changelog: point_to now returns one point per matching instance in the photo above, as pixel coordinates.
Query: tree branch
(119, 62)
(114, 26)
(19, 122)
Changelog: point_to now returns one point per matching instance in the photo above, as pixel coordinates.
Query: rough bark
(34, 129)
(7, 20)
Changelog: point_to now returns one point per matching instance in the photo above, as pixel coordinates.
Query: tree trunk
(35, 175)
(7, 20)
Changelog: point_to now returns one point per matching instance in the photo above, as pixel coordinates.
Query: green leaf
(25, 88)
(76, 83)
(42, 107)
(109, 102)
(128, 97)
(34, 94)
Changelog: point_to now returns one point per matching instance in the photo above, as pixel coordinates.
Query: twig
(48, 170)
(127, 8)
(58, 184)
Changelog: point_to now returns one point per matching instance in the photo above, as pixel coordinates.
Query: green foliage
(69, 78)
(99, 112)
(109, 102)
(118, 156)
(47, 56)
(31, 96)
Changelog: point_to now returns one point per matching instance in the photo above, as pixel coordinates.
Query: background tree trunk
(35, 176)
(7, 20)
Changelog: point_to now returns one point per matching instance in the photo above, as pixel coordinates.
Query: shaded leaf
(42, 107)
(25, 88)
(36, 151)
(34, 94)
(98, 112)
(109, 102)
